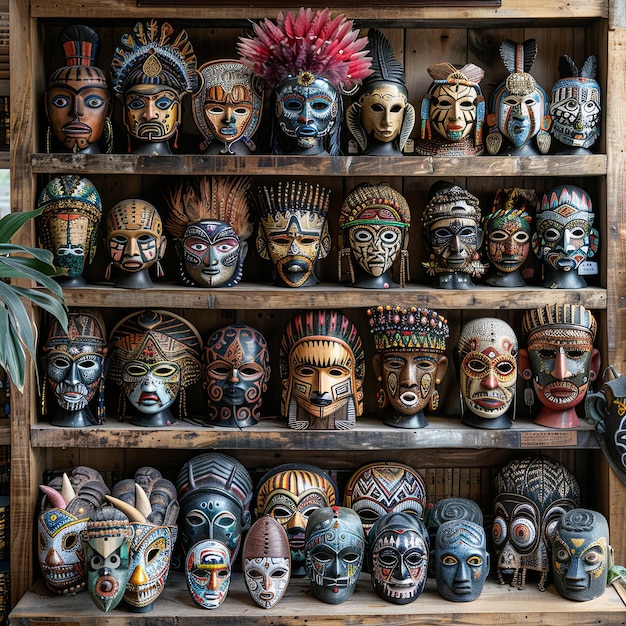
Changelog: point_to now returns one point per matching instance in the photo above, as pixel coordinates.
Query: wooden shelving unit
(424, 35)
(497, 605)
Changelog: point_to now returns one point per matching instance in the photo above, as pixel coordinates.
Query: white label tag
(588, 268)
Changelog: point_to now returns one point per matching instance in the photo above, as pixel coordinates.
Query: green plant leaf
(12, 355)
(47, 302)
(12, 222)
(20, 323)
(43, 255)
(24, 270)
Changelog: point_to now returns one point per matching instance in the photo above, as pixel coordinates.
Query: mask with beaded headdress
(151, 71)
(69, 224)
(210, 218)
(452, 233)
(374, 229)
(409, 362)
(309, 60)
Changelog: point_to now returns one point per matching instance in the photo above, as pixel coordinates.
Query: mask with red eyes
(487, 355)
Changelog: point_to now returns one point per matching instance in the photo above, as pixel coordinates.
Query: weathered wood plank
(387, 11)
(254, 296)
(496, 605)
(274, 434)
(284, 165)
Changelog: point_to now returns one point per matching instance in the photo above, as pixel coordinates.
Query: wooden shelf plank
(527, 12)
(252, 296)
(496, 605)
(274, 434)
(284, 165)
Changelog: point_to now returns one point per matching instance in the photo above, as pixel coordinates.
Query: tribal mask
(398, 556)
(208, 573)
(575, 103)
(561, 360)
(461, 560)
(409, 362)
(77, 95)
(69, 224)
(293, 230)
(487, 353)
(532, 494)
(236, 371)
(334, 550)
(384, 487)
(266, 561)
(581, 555)
(322, 367)
(290, 493)
(227, 106)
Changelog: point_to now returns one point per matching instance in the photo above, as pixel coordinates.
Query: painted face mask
(581, 555)
(461, 560)
(150, 76)
(77, 96)
(374, 223)
(380, 488)
(606, 410)
(409, 363)
(452, 112)
(334, 550)
(209, 218)
(308, 76)
(152, 509)
(452, 233)
(70, 500)
(227, 107)
(519, 106)
(106, 543)
(214, 492)
(307, 111)
(290, 493)
(565, 237)
(381, 120)
(575, 105)
(293, 231)
(69, 225)
(532, 494)
(560, 360)
(398, 556)
(236, 371)
(508, 231)
(135, 241)
(75, 369)
(155, 355)
(487, 354)
(61, 554)
(322, 367)
(208, 573)
(266, 562)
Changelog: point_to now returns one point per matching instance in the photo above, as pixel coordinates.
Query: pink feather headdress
(307, 42)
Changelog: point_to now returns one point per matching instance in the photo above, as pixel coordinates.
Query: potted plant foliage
(17, 332)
